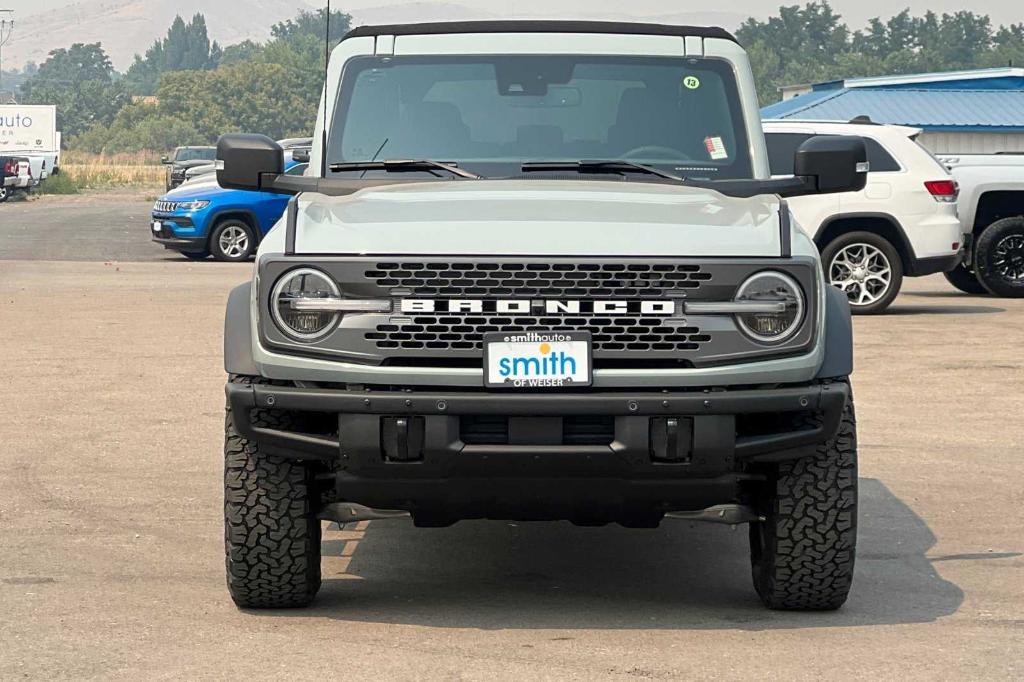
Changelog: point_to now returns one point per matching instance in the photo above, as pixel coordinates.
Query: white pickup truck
(991, 207)
(15, 175)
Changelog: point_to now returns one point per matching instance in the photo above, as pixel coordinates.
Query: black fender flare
(905, 248)
(838, 336)
(221, 213)
(238, 357)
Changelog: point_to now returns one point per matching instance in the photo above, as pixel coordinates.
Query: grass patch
(58, 184)
(108, 171)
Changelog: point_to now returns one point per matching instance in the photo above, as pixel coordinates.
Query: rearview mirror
(832, 163)
(164, 160)
(248, 161)
(301, 155)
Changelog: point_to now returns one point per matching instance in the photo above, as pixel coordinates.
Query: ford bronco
(540, 271)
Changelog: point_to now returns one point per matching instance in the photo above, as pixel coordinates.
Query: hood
(203, 187)
(181, 165)
(537, 218)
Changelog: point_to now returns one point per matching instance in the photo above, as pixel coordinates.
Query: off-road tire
(965, 280)
(843, 241)
(986, 265)
(271, 533)
(802, 554)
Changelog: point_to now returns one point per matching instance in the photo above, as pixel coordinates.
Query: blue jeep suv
(200, 218)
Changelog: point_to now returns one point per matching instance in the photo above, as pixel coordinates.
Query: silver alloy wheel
(233, 241)
(3, 193)
(862, 272)
(1008, 258)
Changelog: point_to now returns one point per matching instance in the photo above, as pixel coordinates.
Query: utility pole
(6, 29)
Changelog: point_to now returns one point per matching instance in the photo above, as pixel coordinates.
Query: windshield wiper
(404, 166)
(599, 166)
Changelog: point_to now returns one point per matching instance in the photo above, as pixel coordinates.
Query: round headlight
(774, 288)
(297, 285)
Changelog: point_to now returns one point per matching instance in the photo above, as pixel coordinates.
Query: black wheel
(195, 256)
(867, 268)
(232, 240)
(999, 257)
(964, 279)
(802, 554)
(271, 533)
(5, 194)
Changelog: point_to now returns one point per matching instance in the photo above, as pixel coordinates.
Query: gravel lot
(110, 225)
(111, 416)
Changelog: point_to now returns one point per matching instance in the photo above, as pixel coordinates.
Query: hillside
(126, 27)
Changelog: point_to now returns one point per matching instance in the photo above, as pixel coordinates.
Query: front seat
(434, 130)
(643, 121)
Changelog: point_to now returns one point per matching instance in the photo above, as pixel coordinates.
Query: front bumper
(414, 450)
(169, 237)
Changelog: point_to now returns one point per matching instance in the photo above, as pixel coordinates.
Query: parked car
(41, 166)
(200, 218)
(902, 224)
(992, 212)
(184, 158)
(600, 341)
(299, 147)
(15, 176)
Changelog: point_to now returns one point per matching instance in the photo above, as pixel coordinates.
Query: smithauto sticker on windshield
(537, 360)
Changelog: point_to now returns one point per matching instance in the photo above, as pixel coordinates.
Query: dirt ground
(111, 554)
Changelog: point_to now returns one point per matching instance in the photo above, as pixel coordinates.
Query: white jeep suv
(903, 223)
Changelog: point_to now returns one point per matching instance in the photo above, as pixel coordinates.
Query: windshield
(491, 114)
(200, 154)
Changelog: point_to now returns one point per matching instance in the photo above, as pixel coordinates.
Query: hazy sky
(855, 11)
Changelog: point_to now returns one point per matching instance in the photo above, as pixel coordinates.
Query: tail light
(944, 191)
(9, 168)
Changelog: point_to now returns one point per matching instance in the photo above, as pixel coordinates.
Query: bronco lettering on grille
(662, 308)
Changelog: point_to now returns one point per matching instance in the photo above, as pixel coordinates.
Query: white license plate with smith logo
(537, 359)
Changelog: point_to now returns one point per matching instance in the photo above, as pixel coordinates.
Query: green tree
(186, 47)
(313, 24)
(80, 81)
(811, 44)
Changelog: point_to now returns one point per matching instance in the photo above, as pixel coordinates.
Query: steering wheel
(657, 151)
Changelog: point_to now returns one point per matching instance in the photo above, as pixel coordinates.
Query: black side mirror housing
(833, 163)
(301, 155)
(248, 162)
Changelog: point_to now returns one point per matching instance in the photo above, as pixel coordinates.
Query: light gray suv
(538, 271)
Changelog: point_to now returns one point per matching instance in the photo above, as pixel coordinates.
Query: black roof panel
(622, 28)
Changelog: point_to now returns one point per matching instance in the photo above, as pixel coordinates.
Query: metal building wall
(973, 143)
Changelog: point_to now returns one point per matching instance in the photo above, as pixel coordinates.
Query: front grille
(445, 332)
(589, 280)
(553, 280)
(165, 206)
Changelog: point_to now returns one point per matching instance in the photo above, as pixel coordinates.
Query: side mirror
(248, 161)
(832, 163)
(301, 155)
(164, 160)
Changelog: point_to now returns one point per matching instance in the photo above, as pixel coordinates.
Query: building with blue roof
(959, 112)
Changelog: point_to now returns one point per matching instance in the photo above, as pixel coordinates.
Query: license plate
(537, 360)
(157, 226)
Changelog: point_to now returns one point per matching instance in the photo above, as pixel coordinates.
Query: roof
(955, 79)
(944, 110)
(613, 27)
(867, 128)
